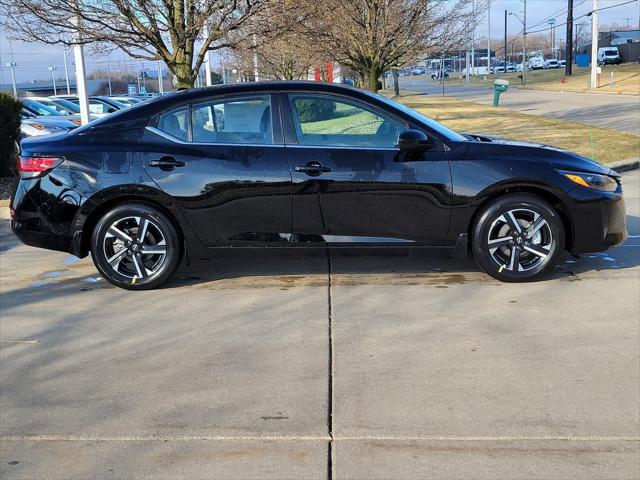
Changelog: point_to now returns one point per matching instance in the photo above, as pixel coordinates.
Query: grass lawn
(626, 79)
(601, 144)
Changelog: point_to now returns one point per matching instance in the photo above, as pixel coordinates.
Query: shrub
(9, 133)
(314, 109)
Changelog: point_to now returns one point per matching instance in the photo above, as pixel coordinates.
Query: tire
(118, 252)
(522, 227)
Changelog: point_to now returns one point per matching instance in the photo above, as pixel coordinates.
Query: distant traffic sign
(551, 21)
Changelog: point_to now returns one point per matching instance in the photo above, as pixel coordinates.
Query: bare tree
(178, 32)
(372, 36)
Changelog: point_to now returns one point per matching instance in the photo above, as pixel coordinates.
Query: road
(309, 366)
(617, 112)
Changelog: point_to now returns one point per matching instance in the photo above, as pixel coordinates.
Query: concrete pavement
(617, 112)
(298, 365)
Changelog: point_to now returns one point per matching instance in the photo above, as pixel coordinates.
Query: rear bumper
(42, 220)
(599, 221)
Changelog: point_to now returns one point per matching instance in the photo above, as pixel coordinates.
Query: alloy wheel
(135, 247)
(520, 240)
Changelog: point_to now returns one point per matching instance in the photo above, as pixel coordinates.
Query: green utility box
(499, 86)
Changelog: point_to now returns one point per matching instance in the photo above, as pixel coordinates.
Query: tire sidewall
(167, 228)
(479, 242)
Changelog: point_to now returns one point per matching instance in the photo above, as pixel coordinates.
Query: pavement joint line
(330, 387)
(310, 438)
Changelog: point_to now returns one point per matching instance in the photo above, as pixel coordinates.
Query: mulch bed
(6, 187)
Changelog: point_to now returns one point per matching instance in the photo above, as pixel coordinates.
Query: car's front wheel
(518, 237)
(135, 246)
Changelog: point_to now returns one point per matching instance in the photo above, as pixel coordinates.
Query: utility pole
(52, 69)
(473, 37)
(489, 37)
(66, 71)
(594, 45)
(525, 64)
(505, 41)
(12, 66)
(569, 42)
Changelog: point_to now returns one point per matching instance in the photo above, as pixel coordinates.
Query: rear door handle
(166, 163)
(312, 168)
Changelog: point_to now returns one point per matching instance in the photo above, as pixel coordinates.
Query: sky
(33, 59)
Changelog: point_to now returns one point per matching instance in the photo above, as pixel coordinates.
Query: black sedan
(291, 164)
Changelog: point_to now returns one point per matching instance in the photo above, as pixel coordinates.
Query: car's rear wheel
(518, 237)
(135, 246)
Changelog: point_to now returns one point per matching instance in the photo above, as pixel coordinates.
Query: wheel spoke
(116, 232)
(115, 260)
(154, 250)
(539, 250)
(514, 262)
(535, 226)
(139, 264)
(143, 223)
(499, 242)
(513, 223)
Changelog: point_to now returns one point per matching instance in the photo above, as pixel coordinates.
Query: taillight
(32, 167)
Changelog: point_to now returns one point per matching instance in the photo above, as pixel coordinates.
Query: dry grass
(626, 79)
(601, 144)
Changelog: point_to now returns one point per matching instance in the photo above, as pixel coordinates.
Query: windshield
(58, 105)
(611, 53)
(429, 122)
(39, 109)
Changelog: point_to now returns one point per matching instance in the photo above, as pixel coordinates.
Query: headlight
(592, 180)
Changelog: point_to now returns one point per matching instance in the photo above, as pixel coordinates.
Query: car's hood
(558, 157)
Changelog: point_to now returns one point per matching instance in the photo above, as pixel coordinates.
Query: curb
(625, 165)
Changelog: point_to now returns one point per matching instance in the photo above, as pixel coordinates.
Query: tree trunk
(185, 77)
(372, 76)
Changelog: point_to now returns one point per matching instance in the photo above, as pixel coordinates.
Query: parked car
(304, 164)
(609, 56)
(498, 69)
(98, 107)
(60, 105)
(436, 75)
(551, 63)
(536, 63)
(417, 71)
(126, 100)
(562, 63)
(32, 125)
(40, 110)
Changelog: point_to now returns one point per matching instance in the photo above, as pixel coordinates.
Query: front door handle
(312, 168)
(166, 163)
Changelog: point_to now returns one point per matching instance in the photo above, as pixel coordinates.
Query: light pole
(66, 71)
(473, 39)
(505, 41)
(160, 84)
(12, 66)
(489, 37)
(52, 69)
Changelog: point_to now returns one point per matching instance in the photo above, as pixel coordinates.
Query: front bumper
(599, 221)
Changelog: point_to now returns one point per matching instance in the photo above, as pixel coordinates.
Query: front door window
(332, 122)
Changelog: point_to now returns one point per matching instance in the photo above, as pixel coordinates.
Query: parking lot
(316, 365)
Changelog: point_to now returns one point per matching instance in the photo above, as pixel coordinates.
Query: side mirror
(111, 110)
(413, 141)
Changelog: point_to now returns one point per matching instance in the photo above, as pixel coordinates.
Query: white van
(551, 63)
(536, 63)
(608, 55)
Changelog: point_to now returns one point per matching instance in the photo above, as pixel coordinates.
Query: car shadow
(293, 267)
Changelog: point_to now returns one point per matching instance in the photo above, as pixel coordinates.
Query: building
(627, 41)
(45, 89)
